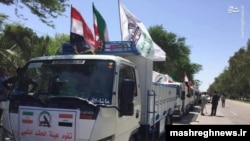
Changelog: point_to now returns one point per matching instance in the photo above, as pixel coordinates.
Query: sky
(214, 29)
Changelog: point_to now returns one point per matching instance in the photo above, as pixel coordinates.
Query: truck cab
(80, 97)
(75, 95)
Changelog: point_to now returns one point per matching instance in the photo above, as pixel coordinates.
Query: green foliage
(22, 37)
(19, 44)
(45, 10)
(56, 43)
(177, 52)
(3, 17)
(234, 80)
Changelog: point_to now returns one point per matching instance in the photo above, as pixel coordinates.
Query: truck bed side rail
(162, 102)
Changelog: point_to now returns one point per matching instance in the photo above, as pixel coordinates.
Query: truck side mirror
(126, 104)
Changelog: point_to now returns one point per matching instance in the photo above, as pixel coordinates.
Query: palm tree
(16, 45)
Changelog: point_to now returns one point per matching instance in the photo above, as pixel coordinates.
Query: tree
(22, 37)
(7, 53)
(234, 80)
(17, 43)
(55, 44)
(3, 17)
(46, 10)
(41, 46)
(177, 53)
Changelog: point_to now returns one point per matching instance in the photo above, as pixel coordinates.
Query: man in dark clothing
(215, 100)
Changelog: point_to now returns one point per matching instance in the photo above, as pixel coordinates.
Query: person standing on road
(223, 100)
(215, 101)
(203, 103)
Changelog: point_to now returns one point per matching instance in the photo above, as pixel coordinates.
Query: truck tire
(187, 110)
(192, 107)
(169, 120)
(2, 133)
(134, 137)
(180, 115)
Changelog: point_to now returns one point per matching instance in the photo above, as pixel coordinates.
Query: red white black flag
(81, 36)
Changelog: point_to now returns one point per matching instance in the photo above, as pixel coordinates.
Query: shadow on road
(188, 118)
(220, 116)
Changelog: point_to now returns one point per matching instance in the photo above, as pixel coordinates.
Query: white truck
(185, 100)
(108, 96)
(196, 94)
(192, 97)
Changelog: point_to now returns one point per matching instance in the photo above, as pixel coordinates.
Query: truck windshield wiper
(108, 106)
(53, 97)
(68, 99)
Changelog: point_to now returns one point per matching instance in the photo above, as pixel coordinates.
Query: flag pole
(120, 18)
(70, 23)
(93, 20)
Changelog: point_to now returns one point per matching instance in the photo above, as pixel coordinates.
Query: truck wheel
(169, 120)
(180, 116)
(134, 137)
(2, 134)
(192, 107)
(187, 110)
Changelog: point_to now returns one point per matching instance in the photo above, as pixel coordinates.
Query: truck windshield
(88, 79)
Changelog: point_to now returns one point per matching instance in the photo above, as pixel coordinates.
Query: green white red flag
(100, 26)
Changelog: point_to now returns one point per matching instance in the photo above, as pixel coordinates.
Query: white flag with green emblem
(134, 30)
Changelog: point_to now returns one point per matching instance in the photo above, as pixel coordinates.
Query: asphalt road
(234, 113)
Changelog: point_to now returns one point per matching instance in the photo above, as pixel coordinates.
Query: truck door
(128, 119)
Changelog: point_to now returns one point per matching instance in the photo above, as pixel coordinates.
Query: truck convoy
(107, 96)
(186, 95)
